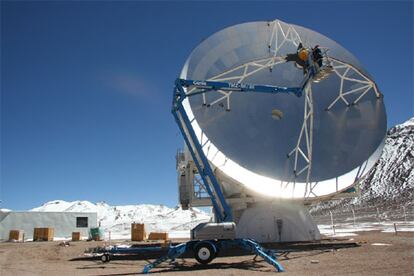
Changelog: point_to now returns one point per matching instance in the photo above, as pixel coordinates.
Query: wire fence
(391, 219)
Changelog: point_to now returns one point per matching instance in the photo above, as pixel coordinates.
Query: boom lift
(209, 239)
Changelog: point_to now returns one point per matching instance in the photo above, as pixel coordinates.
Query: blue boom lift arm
(221, 208)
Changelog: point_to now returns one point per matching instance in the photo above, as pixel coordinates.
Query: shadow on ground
(187, 266)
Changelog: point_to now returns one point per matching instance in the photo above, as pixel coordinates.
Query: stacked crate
(158, 236)
(137, 232)
(76, 236)
(16, 235)
(43, 234)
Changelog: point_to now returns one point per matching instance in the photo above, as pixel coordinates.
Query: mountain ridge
(118, 219)
(391, 181)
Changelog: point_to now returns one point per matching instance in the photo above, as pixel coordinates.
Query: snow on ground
(349, 229)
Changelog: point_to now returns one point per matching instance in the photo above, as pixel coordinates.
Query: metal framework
(237, 75)
(345, 72)
(200, 190)
(300, 151)
(281, 34)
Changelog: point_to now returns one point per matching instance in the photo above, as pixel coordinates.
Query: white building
(64, 223)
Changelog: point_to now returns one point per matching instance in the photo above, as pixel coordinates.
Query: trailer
(204, 251)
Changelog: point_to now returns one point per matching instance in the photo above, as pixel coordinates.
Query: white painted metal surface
(278, 221)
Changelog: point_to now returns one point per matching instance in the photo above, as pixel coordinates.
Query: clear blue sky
(86, 86)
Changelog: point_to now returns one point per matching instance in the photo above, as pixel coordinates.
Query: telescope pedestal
(282, 221)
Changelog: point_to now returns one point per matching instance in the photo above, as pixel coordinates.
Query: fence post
(332, 223)
(405, 214)
(378, 215)
(353, 215)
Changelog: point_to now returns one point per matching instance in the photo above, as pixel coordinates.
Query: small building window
(81, 222)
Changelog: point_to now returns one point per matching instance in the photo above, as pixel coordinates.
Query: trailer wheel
(105, 258)
(205, 252)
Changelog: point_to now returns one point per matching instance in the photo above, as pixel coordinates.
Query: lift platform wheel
(205, 252)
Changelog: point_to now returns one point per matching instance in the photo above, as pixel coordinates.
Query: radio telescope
(260, 158)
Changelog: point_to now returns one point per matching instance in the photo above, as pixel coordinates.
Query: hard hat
(303, 54)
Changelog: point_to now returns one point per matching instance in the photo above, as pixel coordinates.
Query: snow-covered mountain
(118, 219)
(391, 181)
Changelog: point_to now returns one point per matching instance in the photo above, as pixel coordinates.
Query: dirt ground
(49, 258)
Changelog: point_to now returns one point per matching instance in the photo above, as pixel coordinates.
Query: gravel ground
(379, 254)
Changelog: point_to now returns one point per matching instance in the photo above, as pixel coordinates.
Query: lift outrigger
(209, 239)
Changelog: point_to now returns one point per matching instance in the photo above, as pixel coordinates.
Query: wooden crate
(138, 226)
(137, 232)
(158, 236)
(43, 234)
(76, 236)
(16, 235)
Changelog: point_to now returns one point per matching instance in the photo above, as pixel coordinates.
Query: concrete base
(277, 222)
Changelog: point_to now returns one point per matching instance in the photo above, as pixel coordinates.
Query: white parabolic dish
(334, 133)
